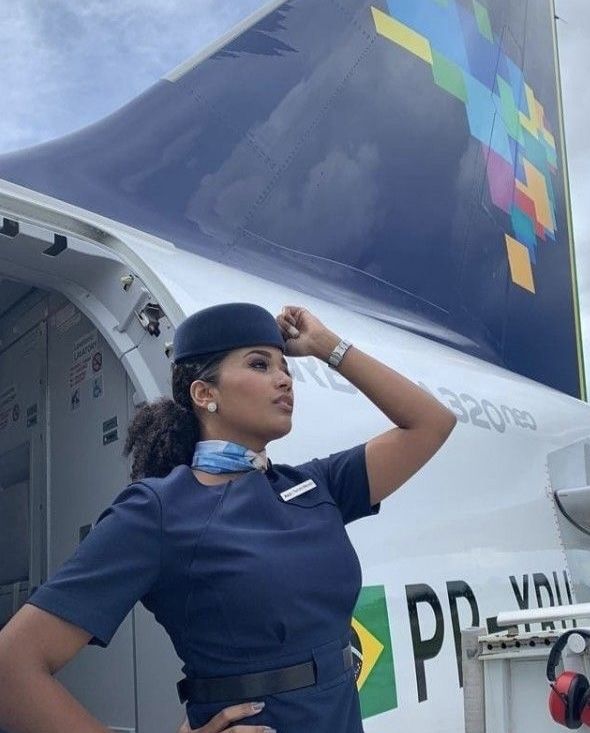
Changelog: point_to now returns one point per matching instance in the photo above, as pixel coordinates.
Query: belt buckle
(347, 656)
(330, 661)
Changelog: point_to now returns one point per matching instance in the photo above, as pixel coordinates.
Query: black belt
(252, 686)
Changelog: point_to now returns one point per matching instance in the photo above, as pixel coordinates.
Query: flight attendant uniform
(244, 577)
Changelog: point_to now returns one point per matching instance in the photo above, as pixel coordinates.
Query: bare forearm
(32, 701)
(402, 401)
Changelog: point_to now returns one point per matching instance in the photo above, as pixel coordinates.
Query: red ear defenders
(569, 699)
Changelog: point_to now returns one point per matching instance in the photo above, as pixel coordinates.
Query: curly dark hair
(162, 434)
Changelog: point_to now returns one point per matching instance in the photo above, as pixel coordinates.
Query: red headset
(569, 699)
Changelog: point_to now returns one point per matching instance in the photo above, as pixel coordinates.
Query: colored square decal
(524, 228)
(449, 76)
(520, 264)
(483, 21)
(402, 35)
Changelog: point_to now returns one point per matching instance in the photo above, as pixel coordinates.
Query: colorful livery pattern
(502, 111)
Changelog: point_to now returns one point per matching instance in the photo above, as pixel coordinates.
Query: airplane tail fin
(403, 158)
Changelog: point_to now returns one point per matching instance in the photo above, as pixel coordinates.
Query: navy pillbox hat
(224, 327)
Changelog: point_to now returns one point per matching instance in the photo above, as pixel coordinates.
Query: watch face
(337, 355)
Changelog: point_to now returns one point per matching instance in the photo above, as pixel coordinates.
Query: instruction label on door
(7, 406)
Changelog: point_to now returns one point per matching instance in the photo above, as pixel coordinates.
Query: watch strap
(338, 354)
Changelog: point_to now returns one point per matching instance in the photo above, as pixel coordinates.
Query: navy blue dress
(242, 580)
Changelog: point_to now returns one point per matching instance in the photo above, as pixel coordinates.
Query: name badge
(298, 490)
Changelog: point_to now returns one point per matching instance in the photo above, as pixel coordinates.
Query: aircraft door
(88, 423)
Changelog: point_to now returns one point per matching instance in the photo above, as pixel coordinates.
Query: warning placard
(85, 359)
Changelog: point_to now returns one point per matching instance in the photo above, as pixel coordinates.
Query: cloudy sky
(574, 48)
(52, 49)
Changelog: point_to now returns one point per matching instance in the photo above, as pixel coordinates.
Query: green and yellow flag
(373, 654)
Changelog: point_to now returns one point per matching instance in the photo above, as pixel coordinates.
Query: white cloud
(574, 47)
(29, 73)
(66, 65)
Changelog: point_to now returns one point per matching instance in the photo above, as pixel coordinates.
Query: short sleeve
(345, 475)
(114, 566)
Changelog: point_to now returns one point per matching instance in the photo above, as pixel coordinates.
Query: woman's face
(254, 397)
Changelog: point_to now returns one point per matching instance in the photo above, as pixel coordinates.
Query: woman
(246, 564)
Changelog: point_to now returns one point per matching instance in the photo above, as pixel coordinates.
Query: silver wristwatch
(338, 354)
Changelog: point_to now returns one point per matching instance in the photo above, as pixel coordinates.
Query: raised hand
(304, 334)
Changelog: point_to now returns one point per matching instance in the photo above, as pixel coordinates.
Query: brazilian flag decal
(372, 653)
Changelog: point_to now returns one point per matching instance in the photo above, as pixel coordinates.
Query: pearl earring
(212, 407)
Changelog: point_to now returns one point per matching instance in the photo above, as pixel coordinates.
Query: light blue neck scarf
(220, 456)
